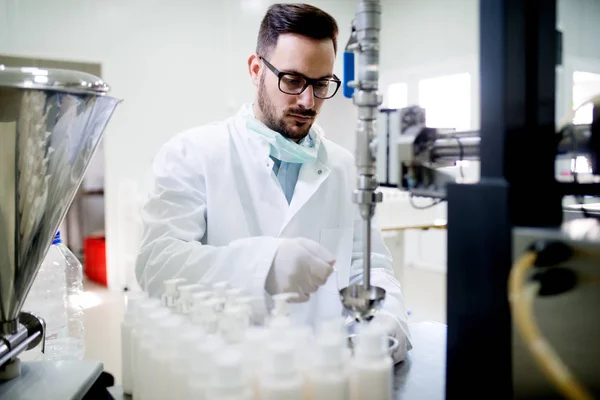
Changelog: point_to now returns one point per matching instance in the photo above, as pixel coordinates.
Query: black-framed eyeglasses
(294, 84)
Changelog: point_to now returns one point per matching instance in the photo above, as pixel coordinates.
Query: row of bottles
(201, 342)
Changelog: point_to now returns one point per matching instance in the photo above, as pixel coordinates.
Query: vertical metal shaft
(367, 254)
(367, 99)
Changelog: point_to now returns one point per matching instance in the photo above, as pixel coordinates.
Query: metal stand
(518, 147)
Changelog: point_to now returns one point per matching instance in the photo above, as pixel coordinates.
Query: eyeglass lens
(293, 84)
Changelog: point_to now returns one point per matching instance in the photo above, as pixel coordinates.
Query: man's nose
(306, 99)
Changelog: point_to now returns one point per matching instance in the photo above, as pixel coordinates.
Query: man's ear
(254, 68)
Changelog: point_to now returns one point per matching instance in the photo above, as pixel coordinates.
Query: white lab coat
(216, 212)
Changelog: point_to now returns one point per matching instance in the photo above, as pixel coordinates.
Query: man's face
(293, 115)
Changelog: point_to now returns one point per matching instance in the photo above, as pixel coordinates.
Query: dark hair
(301, 19)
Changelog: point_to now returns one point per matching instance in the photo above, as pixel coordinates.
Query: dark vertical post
(517, 188)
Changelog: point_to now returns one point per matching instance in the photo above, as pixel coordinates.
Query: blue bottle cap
(57, 238)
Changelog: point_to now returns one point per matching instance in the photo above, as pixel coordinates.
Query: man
(262, 200)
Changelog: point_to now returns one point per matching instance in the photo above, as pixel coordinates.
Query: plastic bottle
(160, 376)
(232, 295)
(281, 379)
(148, 341)
(181, 363)
(141, 311)
(47, 298)
(328, 378)
(228, 382)
(280, 315)
(208, 315)
(198, 300)
(127, 326)
(185, 301)
(171, 294)
(304, 345)
(233, 323)
(371, 376)
(203, 366)
(74, 348)
(220, 294)
(254, 345)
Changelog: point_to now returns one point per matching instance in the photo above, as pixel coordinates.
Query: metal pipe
(366, 26)
(455, 149)
(367, 250)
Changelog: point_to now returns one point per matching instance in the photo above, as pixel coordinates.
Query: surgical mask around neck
(284, 149)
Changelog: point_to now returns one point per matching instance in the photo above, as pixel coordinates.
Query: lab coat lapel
(311, 177)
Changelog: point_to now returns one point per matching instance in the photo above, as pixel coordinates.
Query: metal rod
(367, 255)
(21, 347)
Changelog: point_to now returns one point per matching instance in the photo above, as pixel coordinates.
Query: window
(398, 95)
(447, 101)
(585, 86)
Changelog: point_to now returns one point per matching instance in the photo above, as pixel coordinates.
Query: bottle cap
(170, 327)
(281, 301)
(172, 286)
(147, 305)
(233, 294)
(133, 300)
(220, 289)
(186, 291)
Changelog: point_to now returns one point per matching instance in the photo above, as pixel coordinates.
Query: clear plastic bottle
(74, 347)
(47, 298)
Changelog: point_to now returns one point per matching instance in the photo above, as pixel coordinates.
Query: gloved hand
(300, 266)
(393, 329)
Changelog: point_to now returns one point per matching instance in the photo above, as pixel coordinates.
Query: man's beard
(278, 124)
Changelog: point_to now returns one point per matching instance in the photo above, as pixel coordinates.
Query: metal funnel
(51, 122)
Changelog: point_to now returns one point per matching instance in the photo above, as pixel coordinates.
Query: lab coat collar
(312, 175)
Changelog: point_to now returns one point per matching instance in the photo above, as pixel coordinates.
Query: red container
(94, 255)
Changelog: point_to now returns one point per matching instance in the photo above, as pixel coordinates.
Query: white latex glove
(300, 266)
(393, 329)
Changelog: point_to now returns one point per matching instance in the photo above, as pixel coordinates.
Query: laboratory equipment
(51, 122)
(518, 145)
(361, 300)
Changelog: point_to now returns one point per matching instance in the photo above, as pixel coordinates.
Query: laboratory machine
(522, 280)
(51, 122)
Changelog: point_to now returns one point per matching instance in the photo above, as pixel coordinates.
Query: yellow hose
(521, 298)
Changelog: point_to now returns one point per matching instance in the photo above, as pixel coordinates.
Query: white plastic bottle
(128, 324)
(181, 364)
(141, 311)
(148, 340)
(254, 345)
(161, 379)
(185, 301)
(328, 378)
(220, 294)
(202, 366)
(280, 378)
(228, 382)
(75, 342)
(47, 298)
(371, 376)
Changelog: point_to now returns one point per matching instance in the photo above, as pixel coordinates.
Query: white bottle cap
(220, 289)
(172, 285)
(186, 291)
(233, 294)
(281, 306)
(371, 341)
(199, 297)
(133, 299)
(148, 304)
